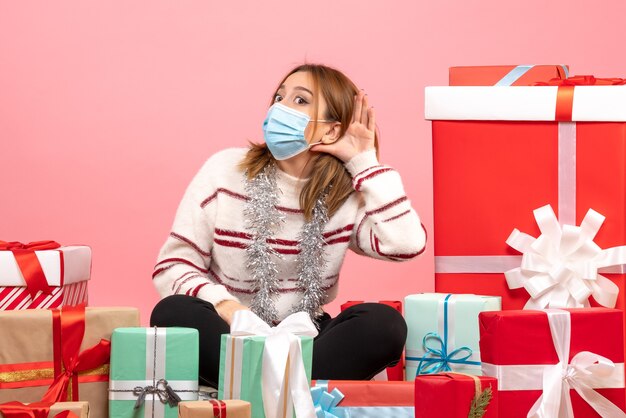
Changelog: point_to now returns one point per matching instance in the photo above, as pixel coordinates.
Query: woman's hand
(358, 137)
(227, 308)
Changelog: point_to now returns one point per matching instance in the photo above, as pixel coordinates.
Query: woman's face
(297, 93)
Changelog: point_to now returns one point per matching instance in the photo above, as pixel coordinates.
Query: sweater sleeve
(183, 264)
(386, 226)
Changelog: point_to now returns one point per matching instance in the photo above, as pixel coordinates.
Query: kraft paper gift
(37, 344)
(45, 410)
(232, 408)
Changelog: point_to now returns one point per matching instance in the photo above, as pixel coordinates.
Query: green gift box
(443, 332)
(241, 370)
(150, 369)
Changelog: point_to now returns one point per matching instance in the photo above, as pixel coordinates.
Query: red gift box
(42, 275)
(396, 372)
(450, 395)
(371, 399)
(510, 75)
(523, 364)
(501, 152)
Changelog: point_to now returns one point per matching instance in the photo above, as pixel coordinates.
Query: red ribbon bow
(29, 263)
(565, 93)
(219, 408)
(68, 331)
(582, 80)
(32, 410)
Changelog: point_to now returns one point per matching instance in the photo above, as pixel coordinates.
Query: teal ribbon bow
(437, 360)
(326, 403)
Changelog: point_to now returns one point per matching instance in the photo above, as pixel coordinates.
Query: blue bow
(437, 360)
(326, 403)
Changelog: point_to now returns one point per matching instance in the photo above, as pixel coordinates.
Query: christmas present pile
(503, 157)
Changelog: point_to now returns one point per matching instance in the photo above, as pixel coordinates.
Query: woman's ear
(332, 134)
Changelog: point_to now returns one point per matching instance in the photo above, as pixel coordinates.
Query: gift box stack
(61, 358)
(54, 355)
(530, 165)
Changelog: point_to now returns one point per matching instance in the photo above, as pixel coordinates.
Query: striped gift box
(67, 271)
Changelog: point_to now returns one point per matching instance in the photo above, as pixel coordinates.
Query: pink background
(107, 109)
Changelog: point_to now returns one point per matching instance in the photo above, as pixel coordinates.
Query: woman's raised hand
(358, 137)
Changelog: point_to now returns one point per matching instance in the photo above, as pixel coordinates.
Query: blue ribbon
(519, 71)
(437, 360)
(326, 403)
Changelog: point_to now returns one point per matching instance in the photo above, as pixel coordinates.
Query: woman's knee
(172, 310)
(383, 323)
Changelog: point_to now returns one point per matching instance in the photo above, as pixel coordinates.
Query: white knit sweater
(205, 255)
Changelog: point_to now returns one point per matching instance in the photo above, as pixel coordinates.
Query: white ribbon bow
(560, 268)
(586, 370)
(285, 385)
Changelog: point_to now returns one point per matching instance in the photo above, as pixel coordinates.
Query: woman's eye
(278, 98)
(299, 100)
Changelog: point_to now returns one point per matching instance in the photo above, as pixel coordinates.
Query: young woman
(267, 229)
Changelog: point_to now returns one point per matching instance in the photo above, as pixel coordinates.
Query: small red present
(396, 372)
(561, 362)
(505, 75)
(42, 275)
(364, 398)
(455, 395)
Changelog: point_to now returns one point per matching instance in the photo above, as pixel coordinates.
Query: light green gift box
(144, 361)
(241, 360)
(443, 332)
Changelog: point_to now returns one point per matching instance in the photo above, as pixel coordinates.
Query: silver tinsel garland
(264, 221)
(311, 260)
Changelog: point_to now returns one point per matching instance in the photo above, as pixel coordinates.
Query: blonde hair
(328, 172)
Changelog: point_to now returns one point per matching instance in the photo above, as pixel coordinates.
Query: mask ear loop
(319, 120)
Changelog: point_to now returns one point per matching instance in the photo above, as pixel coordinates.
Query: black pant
(356, 345)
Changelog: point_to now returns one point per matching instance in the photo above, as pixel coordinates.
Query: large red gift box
(519, 347)
(451, 395)
(501, 152)
(510, 75)
(395, 372)
(42, 275)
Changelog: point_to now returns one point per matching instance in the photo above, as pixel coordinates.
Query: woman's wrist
(227, 308)
(361, 161)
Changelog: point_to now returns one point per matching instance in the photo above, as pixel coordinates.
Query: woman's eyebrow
(282, 87)
(304, 89)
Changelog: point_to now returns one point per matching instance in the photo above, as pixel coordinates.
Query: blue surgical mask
(283, 130)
